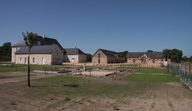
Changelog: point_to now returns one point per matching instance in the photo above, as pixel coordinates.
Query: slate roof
(45, 49)
(152, 55)
(109, 53)
(40, 41)
(19, 44)
(74, 51)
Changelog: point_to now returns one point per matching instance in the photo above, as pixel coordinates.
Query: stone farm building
(147, 59)
(103, 56)
(45, 51)
(75, 55)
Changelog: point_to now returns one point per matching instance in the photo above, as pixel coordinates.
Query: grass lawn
(75, 86)
(146, 78)
(9, 67)
(144, 88)
(22, 67)
(12, 68)
(152, 76)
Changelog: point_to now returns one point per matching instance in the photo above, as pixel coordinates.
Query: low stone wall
(151, 65)
(97, 73)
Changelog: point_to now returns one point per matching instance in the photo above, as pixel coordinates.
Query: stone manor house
(46, 51)
(49, 51)
(145, 59)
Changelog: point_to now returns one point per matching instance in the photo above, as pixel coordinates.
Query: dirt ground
(172, 96)
(10, 77)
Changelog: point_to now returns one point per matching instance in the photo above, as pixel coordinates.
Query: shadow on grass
(10, 76)
(71, 85)
(64, 85)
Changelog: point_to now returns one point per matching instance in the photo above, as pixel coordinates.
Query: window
(43, 60)
(33, 59)
(99, 55)
(153, 60)
(20, 58)
(99, 61)
(25, 60)
(57, 52)
(144, 59)
(73, 60)
(134, 60)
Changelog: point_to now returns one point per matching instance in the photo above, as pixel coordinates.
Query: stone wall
(102, 58)
(34, 59)
(13, 50)
(82, 58)
(57, 56)
(148, 63)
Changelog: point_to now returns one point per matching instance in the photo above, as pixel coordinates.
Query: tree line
(5, 52)
(176, 55)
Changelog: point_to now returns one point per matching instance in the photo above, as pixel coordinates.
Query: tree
(5, 52)
(167, 54)
(187, 59)
(150, 51)
(29, 38)
(125, 55)
(89, 58)
(7, 44)
(174, 54)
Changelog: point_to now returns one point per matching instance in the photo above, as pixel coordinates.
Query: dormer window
(38, 43)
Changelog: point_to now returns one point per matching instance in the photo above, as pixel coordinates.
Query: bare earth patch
(171, 96)
(10, 77)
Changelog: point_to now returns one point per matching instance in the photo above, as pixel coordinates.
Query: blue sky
(133, 25)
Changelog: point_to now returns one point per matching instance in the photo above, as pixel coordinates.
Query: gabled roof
(20, 44)
(74, 51)
(45, 49)
(109, 53)
(52, 41)
(39, 42)
(152, 55)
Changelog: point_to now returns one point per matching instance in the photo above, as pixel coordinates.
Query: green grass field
(21, 67)
(9, 67)
(75, 86)
(152, 76)
(67, 91)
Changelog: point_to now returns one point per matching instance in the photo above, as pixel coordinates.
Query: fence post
(190, 75)
(185, 74)
(168, 69)
(45, 70)
(90, 72)
(189, 68)
(185, 68)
